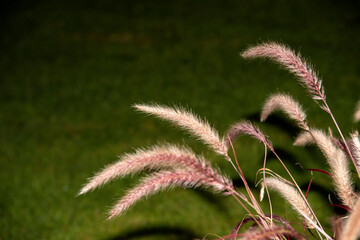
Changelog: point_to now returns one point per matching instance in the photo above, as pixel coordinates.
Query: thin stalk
(318, 228)
(266, 188)
(234, 193)
(298, 188)
(253, 199)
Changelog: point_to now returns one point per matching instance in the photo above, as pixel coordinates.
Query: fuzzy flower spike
(292, 62)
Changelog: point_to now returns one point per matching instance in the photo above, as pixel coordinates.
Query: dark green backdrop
(70, 71)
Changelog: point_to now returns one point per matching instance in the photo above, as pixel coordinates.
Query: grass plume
(158, 157)
(292, 195)
(246, 128)
(287, 104)
(351, 228)
(355, 147)
(271, 233)
(188, 121)
(160, 181)
(337, 161)
(303, 139)
(292, 62)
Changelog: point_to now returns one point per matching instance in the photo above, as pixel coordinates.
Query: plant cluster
(176, 166)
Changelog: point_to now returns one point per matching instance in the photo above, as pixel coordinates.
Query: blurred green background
(70, 71)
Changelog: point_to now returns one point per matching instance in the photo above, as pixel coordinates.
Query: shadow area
(163, 232)
(215, 200)
(277, 121)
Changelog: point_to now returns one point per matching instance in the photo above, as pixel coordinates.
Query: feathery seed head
(351, 228)
(160, 181)
(287, 104)
(338, 163)
(292, 62)
(187, 121)
(355, 147)
(303, 139)
(158, 157)
(292, 195)
(271, 233)
(246, 128)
